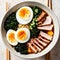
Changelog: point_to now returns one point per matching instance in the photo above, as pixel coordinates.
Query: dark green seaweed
(11, 22)
(22, 48)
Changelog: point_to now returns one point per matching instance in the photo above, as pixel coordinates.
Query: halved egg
(24, 15)
(11, 37)
(22, 35)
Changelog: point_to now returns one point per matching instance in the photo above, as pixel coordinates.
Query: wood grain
(7, 51)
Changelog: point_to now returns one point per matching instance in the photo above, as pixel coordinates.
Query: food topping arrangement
(29, 29)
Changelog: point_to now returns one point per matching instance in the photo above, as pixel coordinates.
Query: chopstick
(7, 6)
(47, 56)
(49, 4)
(7, 54)
(7, 51)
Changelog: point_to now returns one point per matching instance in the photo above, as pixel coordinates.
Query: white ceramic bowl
(56, 29)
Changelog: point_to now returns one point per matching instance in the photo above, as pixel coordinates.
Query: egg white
(26, 31)
(22, 21)
(12, 43)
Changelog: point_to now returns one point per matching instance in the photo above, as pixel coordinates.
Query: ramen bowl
(56, 29)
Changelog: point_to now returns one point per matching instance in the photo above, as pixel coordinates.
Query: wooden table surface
(55, 52)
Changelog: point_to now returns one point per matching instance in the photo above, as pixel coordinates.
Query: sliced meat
(41, 42)
(43, 34)
(38, 44)
(33, 49)
(45, 40)
(47, 21)
(43, 14)
(39, 49)
(42, 20)
(49, 27)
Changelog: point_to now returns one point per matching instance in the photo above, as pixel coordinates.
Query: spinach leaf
(11, 22)
(36, 11)
(22, 48)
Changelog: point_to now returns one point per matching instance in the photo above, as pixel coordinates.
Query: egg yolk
(11, 37)
(50, 33)
(22, 35)
(24, 13)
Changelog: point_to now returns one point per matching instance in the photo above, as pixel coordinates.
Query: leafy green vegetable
(11, 22)
(22, 48)
(34, 32)
(33, 25)
(33, 28)
(36, 11)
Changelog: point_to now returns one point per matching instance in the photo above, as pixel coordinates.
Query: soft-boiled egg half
(11, 37)
(24, 15)
(22, 35)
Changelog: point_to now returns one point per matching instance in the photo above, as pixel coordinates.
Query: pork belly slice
(42, 20)
(33, 49)
(38, 49)
(43, 34)
(45, 40)
(48, 27)
(41, 16)
(38, 44)
(47, 21)
(41, 42)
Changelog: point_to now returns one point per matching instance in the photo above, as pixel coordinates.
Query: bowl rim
(47, 49)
